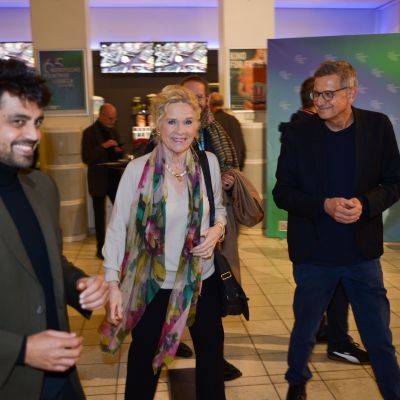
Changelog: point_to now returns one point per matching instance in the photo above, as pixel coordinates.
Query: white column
(63, 25)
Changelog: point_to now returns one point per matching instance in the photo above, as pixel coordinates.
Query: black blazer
(93, 154)
(300, 185)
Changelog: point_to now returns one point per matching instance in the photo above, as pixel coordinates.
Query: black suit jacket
(301, 179)
(93, 154)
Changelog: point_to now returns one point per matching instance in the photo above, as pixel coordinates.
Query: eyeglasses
(327, 95)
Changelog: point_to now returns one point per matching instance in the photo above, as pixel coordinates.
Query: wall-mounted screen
(18, 50)
(126, 57)
(180, 57)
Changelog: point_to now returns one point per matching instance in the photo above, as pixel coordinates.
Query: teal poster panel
(65, 76)
(290, 61)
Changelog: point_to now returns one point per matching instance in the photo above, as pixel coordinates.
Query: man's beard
(16, 160)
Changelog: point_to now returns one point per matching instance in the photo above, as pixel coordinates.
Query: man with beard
(38, 353)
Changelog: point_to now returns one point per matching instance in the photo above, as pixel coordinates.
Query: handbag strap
(205, 166)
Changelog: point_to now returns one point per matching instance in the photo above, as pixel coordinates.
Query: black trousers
(208, 340)
(99, 209)
(338, 314)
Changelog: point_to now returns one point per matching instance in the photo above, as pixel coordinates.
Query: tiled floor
(257, 347)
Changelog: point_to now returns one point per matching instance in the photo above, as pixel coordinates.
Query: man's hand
(344, 211)
(94, 292)
(109, 143)
(227, 181)
(53, 350)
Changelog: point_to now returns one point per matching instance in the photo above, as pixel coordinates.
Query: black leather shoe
(184, 351)
(296, 392)
(231, 372)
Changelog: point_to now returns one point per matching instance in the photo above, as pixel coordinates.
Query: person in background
(159, 253)
(38, 353)
(230, 124)
(334, 328)
(307, 104)
(213, 138)
(100, 144)
(348, 175)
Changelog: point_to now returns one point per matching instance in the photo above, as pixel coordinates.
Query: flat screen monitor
(126, 57)
(180, 57)
(18, 50)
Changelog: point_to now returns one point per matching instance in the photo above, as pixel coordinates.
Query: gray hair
(345, 71)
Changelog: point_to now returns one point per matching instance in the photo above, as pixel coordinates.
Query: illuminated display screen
(18, 50)
(148, 57)
(180, 57)
(127, 57)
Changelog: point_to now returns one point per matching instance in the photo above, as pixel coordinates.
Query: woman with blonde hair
(159, 255)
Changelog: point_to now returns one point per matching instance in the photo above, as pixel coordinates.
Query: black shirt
(337, 242)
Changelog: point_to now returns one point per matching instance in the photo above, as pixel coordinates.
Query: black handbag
(233, 298)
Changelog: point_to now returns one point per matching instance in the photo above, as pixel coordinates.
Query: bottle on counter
(149, 116)
(142, 115)
(136, 109)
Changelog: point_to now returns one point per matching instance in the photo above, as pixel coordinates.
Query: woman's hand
(206, 248)
(114, 305)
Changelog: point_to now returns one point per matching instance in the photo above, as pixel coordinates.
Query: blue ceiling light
(342, 4)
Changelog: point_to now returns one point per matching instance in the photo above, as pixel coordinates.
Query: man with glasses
(337, 172)
(334, 326)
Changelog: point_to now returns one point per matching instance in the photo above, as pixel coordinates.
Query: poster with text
(248, 76)
(65, 76)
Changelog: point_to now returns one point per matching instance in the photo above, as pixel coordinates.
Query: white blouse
(175, 224)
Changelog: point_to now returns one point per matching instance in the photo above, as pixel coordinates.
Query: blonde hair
(169, 95)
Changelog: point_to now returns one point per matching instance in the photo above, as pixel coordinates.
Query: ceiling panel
(373, 4)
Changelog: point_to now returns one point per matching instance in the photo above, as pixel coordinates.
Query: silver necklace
(175, 174)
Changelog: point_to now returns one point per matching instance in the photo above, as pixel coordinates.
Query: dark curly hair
(21, 81)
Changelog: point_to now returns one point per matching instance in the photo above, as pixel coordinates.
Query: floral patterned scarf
(143, 270)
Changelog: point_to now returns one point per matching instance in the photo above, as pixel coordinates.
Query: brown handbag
(247, 204)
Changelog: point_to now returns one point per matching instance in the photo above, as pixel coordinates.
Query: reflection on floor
(257, 347)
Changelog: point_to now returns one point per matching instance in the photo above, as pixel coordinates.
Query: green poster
(65, 76)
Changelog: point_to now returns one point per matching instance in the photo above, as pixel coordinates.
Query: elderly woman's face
(178, 127)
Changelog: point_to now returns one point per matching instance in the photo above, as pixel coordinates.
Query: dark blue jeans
(338, 327)
(363, 284)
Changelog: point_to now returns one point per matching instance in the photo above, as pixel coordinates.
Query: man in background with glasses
(337, 172)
